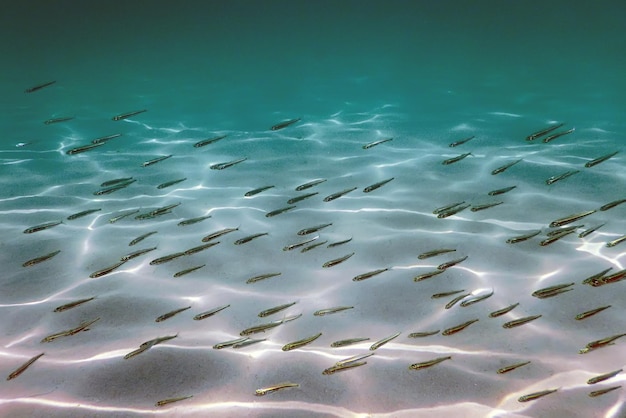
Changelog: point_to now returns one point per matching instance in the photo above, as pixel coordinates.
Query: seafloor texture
(396, 111)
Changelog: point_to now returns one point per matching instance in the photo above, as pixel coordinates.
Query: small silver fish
(155, 160)
(309, 184)
(334, 262)
(313, 229)
(521, 321)
(40, 259)
(543, 132)
(375, 186)
(171, 314)
(23, 367)
(39, 87)
(105, 270)
(249, 238)
(461, 142)
(141, 237)
(257, 191)
(337, 195)
(557, 135)
(275, 388)
(83, 213)
(504, 167)
(189, 270)
(128, 114)
(455, 159)
(207, 314)
(301, 198)
(83, 148)
(58, 120)
(209, 141)
(284, 124)
(384, 341)
(373, 144)
(279, 211)
(599, 160)
(170, 183)
(369, 274)
(300, 343)
(193, 220)
(105, 138)
(222, 166)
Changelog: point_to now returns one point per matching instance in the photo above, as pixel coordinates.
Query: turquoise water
(423, 73)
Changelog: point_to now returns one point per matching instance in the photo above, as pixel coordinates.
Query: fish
(452, 211)
(274, 388)
(299, 244)
(592, 312)
(171, 183)
(313, 229)
(354, 359)
(248, 342)
(23, 367)
(613, 278)
(260, 328)
(123, 215)
(39, 87)
(501, 191)
(565, 175)
(275, 309)
(543, 132)
(429, 363)
(219, 233)
(384, 341)
(335, 244)
(329, 311)
(115, 188)
(257, 191)
(158, 340)
(200, 248)
(458, 328)
(166, 258)
(375, 186)
(155, 160)
(189, 270)
(103, 139)
(207, 314)
(599, 160)
(454, 301)
(504, 167)
(128, 114)
(261, 277)
(301, 198)
(535, 395)
(334, 369)
(309, 184)
(313, 246)
(485, 206)
(222, 166)
(284, 124)
(301, 343)
(446, 294)
(373, 144)
(548, 291)
(226, 344)
(141, 237)
(455, 159)
(334, 262)
(279, 211)
(423, 334)
(616, 241)
(171, 314)
(590, 230)
(105, 270)
(570, 218)
(603, 377)
(349, 341)
(503, 311)
(452, 263)
(83, 213)
(612, 204)
(557, 135)
(208, 141)
(476, 299)
(427, 275)
(73, 304)
(461, 142)
(447, 208)
(368, 274)
(193, 220)
(172, 400)
(553, 238)
(600, 392)
(249, 238)
(82, 327)
(594, 345)
(58, 120)
(337, 195)
(434, 253)
(524, 237)
(83, 148)
(596, 277)
(521, 321)
(40, 259)
(137, 253)
(512, 367)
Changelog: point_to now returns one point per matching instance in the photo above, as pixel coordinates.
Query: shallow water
(424, 75)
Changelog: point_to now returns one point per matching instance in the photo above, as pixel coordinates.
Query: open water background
(423, 73)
